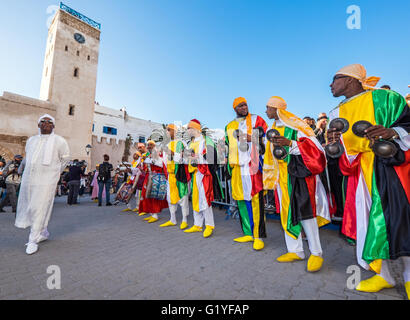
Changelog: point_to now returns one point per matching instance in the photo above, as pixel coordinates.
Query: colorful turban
(195, 124)
(172, 126)
(277, 102)
(358, 72)
(238, 101)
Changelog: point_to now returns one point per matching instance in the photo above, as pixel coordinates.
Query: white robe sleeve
(63, 153)
(404, 138)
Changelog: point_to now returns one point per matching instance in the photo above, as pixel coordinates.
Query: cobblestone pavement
(106, 254)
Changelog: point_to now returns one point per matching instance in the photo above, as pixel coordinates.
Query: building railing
(80, 16)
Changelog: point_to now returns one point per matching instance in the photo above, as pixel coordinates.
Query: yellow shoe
(95, 200)
(167, 224)
(148, 218)
(407, 287)
(208, 231)
(152, 219)
(289, 257)
(244, 239)
(183, 226)
(373, 284)
(258, 244)
(142, 214)
(125, 210)
(135, 210)
(314, 263)
(193, 229)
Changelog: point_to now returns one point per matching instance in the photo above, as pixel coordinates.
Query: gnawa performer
(154, 163)
(134, 171)
(142, 149)
(205, 183)
(244, 166)
(177, 179)
(47, 155)
(302, 197)
(377, 209)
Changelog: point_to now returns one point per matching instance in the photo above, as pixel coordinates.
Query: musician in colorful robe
(377, 209)
(302, 197)
(154, 163)
(177, 179)
(134, 171)
(204, 181)
(245, 169)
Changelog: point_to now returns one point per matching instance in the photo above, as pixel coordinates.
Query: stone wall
(112, 148)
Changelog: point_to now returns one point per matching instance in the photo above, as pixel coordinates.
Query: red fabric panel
(311, 184)
(313, 158)
(277, 203)
(257, 183)
(207, 182)
(403, 172)
(352, 170)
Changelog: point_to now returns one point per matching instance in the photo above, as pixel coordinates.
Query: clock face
(79, 38)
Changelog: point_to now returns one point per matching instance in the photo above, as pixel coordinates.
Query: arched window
(76, 72)
(66, 48)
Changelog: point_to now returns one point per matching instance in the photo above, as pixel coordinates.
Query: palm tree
(127, 147)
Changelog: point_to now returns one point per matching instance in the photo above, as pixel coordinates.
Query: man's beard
(242, 116)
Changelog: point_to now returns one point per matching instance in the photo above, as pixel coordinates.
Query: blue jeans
(101, 185)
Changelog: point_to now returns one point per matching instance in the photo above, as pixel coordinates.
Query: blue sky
(182, 59)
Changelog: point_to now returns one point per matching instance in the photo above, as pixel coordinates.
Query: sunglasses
(47, 121)
(339, 77)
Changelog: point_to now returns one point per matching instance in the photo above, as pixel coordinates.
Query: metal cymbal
(384, 149)
(271, 133)
(340, 124)
(359, 127)
(334, 150)
(280, 153)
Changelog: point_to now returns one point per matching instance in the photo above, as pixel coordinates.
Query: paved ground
(105, 254)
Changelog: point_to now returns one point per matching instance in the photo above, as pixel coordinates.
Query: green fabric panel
(294, 230)
(227, 143)
(388, 105)
(246, 224)
(291, 135)
(376, 245)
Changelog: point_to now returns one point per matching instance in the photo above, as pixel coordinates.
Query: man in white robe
(47, 155)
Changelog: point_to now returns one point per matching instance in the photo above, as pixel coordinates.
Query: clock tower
(70, 75)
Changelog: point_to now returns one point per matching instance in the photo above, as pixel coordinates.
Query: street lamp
(88, 149)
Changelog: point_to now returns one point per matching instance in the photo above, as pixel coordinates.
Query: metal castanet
(242, 139)
(335, 150)
(381, 148)
(278, 152)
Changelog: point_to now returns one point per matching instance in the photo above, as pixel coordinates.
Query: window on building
(76, 72)
(110, 130)
(66, 48)
(71, 110)
(93, 126)
(78, 53)
(141, 139)
(88, 58)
